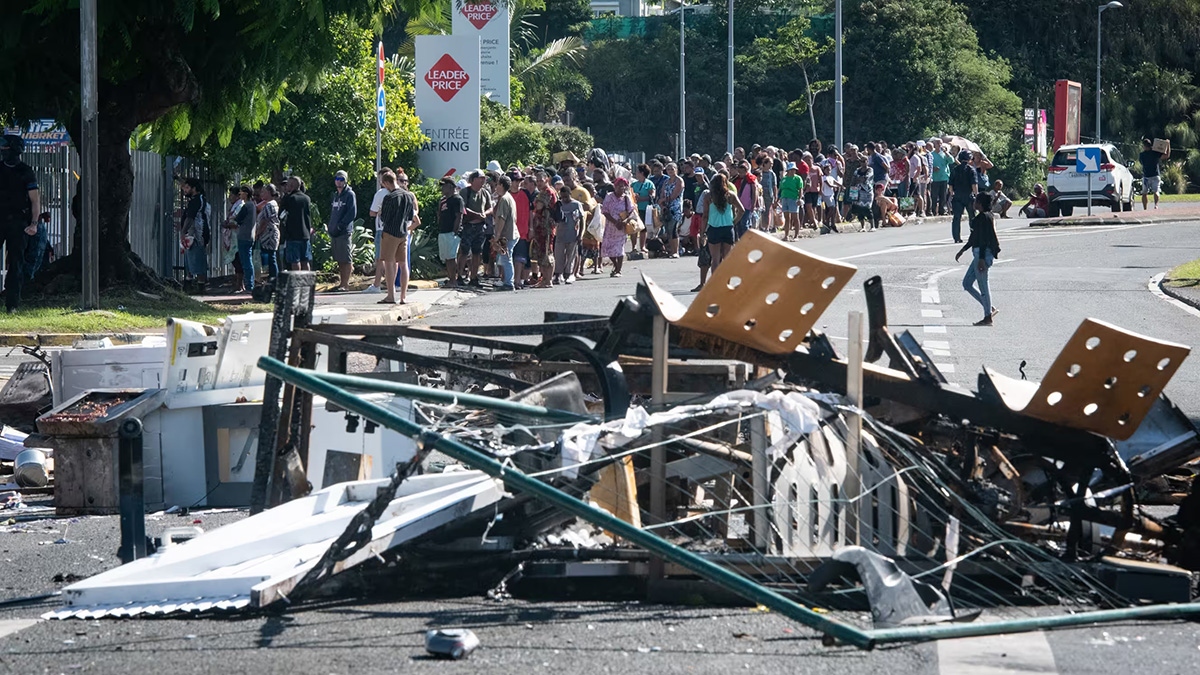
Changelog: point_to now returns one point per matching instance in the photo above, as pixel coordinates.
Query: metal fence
(153, 213)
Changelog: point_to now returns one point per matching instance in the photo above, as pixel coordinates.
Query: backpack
(205, 213)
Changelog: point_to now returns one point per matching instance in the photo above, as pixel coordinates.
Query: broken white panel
(74, 371)
(339, 451)
(263, 556)
(806, 500)
(885, 508)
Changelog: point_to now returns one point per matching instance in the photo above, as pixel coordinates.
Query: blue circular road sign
(381, 108)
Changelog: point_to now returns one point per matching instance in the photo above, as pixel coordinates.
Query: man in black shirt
(450, 218)
(296, 213)
(20, 204)
(1150, 176)
(964, 185)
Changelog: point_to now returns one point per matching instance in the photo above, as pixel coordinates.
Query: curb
(1172, 293)
(404, 312)
(1075, 221)
(68, 339)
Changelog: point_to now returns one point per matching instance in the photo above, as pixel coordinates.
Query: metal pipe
(132, 499)
(682, 86)
(89, 154)
(837, 78)
(517, 480)
(452, 397)
(729, 85)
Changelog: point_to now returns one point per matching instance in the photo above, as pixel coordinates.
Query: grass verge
(1175, 198)
(122, 310)
(1186, 275)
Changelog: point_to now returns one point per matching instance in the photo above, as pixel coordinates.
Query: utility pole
(682, 86)
(729, 93)
(90, 151)
(838, 139)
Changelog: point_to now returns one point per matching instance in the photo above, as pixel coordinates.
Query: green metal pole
(961, 630)
(452, 397)
(517, 480)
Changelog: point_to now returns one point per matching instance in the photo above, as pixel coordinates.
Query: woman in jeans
(266, 231)
(985, 248)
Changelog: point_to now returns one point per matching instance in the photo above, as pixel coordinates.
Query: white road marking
(930, 296)
(935, 329)
(938, 352)
(1041, 233)
(1015, 654)
(945, 367)
(936, 344)
(931, 313)
(10, 626)
(1153, 286)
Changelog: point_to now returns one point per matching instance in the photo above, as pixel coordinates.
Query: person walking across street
(964, 185)
(195, 231)
(296, 211)
(985, 249)
(1151, 182)
(342, 212)
(20, 205)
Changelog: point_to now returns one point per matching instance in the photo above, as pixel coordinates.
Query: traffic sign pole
(1089, 194)
(380, 117)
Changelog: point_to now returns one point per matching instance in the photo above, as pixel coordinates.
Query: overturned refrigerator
(726, 442)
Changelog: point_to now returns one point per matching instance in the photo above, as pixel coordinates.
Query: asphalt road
(1047, 281)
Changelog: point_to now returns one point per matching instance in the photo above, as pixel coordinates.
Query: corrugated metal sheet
(147, 226)
(57, 171)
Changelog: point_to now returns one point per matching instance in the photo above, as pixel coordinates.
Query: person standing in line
(479, 205)
(850, 185)
(568, 233)
(670, 201)
(195, 232)
(342, 212)
(296, 212)
(723, 210)
(399, 216)
(376, 204)
(618, 209)
(244, 220)
(812, 193)
(643, 191)
(964, 185)
(770, 192)
(504, 219)
(450, 218)
(267, 232)
(20, 205)
(524, 191)
(939, 184)
(918, 178)
(541, 230)
(985, 249)
(790, 188)
(746, 185)
(1151, 180)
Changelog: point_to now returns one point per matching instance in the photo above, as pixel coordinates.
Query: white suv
(1067, 188)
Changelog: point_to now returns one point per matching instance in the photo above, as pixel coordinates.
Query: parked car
(1067, 188)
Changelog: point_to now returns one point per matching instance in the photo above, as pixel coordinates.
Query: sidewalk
(1103, 216)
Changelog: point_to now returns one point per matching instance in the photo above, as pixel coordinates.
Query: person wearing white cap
(342, 212)
(494, 166)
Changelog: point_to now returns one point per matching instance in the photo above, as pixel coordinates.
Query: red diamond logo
(447, 78)
(479, 13)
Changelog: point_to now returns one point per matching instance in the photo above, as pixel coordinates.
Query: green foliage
(330, 125)
(791, 50)
(428, 195)
(425, 261)
(560, 137)
(509, 139)
(561, 18)
(1174, 178)
(549, 76)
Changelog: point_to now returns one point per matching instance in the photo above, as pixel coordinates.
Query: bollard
(133, 508)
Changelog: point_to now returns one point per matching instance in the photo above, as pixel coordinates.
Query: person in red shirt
(522, 192)
(1039, 204)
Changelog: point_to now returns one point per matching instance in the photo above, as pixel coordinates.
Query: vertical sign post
(90, 154)
(381, 114)
(1087, 160)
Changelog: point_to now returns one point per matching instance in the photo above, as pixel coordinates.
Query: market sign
(488, 21)
(43, 133)
(448, 100)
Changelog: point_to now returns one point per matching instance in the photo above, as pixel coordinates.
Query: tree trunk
(812, 117)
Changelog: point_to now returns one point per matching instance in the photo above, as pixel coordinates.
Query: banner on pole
(447, 96)
(487, 20)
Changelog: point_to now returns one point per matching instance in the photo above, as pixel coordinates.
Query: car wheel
(1054, 211)
(1068, 210)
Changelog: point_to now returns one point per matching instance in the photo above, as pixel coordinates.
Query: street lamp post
(1099, 16)
(682, 88)
(729, 92)
(837, 79)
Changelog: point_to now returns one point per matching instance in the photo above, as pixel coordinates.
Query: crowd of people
(540, 226)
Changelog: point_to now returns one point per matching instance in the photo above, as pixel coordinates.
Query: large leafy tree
(195, 69)
(328, 126)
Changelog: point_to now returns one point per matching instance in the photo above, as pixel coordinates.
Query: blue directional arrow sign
(1087, 160)
(381, 108)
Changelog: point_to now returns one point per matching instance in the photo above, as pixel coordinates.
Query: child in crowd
(690, 240)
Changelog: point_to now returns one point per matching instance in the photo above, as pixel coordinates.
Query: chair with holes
(766, 295)
(1105, 380)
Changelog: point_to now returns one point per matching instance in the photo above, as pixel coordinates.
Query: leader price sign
(447, 74)
(487, 20)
